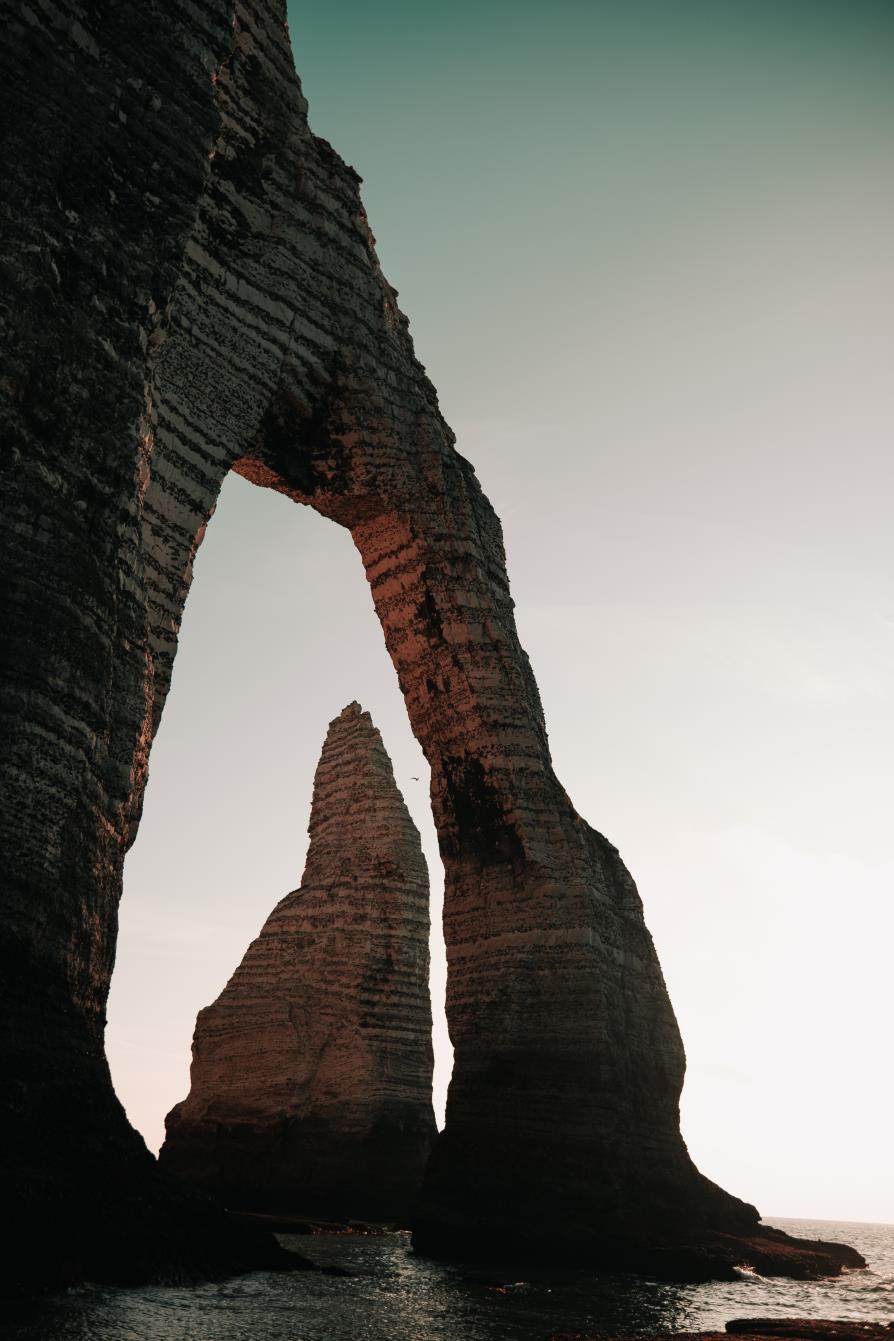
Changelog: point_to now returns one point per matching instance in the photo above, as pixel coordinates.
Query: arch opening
(278, 633)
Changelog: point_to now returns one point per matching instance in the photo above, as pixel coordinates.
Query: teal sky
(646, 254)
(535, 154)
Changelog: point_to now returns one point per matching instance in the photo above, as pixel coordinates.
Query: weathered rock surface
(312, 1071)
(190, 287)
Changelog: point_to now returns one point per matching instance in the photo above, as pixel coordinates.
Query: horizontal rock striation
(312, 1071)
(107, 116)
(191, 287)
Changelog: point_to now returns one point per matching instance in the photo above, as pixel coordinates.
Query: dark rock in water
(284, 1223)
(686, 1256)
(771, 1252)
(708, 1256)
(811, 1329)
(762, 1329)
(312, 1071)
(190, 287)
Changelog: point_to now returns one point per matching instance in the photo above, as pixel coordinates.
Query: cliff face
(191, 287)
(312, 1071)
(107, 114)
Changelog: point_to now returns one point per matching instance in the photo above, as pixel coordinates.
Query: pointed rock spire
(312, 1071)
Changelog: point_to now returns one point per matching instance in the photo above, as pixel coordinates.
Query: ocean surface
(393, 1296)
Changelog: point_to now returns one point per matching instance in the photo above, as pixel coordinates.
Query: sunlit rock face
(312, 1071)
(191, 287)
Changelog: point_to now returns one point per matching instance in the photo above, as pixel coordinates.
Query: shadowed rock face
(192, 288)
(312, 1071)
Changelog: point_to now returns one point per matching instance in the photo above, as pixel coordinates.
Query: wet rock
(762, 1329)
(811, 1329)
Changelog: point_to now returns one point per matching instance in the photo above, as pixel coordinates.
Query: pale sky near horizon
(646, 252)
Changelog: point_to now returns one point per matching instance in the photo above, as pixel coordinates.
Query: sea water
(391, 1295)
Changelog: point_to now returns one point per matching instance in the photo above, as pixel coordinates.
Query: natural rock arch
(197, 291)
(287, 360)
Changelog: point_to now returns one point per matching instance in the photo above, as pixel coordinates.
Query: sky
(646, 252)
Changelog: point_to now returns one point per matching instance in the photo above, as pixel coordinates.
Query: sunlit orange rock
(312, 1071)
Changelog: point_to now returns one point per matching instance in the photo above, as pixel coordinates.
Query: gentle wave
(394, 1296)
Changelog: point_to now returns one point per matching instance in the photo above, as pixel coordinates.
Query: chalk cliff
(190, 286)
(312, 1071)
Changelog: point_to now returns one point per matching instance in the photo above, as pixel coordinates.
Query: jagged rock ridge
(191, 287)
(312, 1071)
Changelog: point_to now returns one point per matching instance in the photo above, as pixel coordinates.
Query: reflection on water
(394, 1296)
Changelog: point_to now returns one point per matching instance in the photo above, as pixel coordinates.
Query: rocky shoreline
(764, 1329)
(767, 1251)
(679, 1256)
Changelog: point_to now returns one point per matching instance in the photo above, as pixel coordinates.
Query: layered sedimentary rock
(312, 1071)
(191, 287)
